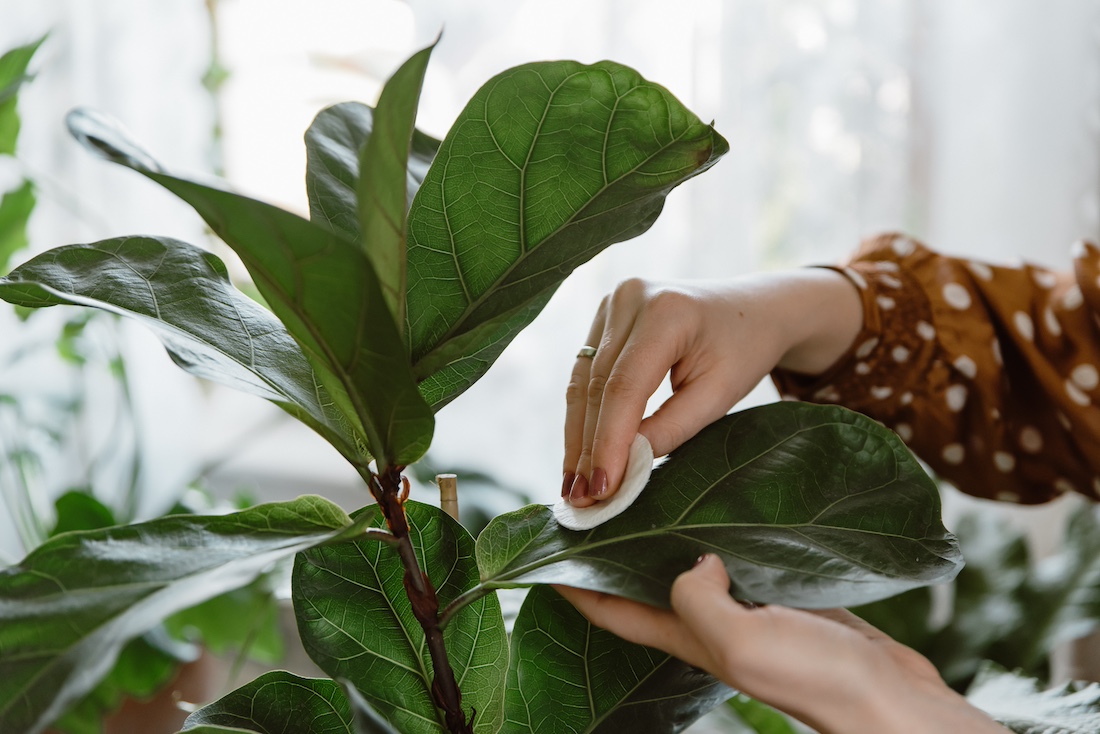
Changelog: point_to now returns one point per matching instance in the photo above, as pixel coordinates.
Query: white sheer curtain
(971, 124)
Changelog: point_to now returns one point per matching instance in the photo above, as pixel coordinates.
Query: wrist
(823, 313)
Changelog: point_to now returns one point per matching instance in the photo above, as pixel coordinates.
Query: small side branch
(387, 488)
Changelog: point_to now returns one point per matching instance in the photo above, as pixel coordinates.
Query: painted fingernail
(700, 559)
(580, 488)
(567, 483)
(598, 486)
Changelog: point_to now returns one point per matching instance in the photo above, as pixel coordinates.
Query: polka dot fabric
(990, 374)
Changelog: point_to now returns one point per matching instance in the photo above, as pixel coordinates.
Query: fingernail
(567, 483)
(700, 559)
(579, 489)
(598, 487)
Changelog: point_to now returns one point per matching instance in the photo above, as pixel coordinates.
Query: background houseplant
(365, 352)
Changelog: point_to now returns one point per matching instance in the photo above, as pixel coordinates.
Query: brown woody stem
(386, 488)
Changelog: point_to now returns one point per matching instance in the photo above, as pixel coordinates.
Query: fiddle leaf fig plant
(420, 262)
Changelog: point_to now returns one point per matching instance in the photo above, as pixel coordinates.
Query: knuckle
(597, 384)
(618, 386)
(576, 391)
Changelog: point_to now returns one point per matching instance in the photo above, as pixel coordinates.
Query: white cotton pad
(639, 465)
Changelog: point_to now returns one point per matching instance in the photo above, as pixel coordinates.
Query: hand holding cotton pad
(639, 465)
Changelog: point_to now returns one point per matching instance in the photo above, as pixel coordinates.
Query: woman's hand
(716, 340)
(829, 669)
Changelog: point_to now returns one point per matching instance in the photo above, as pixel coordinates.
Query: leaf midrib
(474, 304)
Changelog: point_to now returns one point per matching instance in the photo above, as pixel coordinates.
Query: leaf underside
(357, 624)
(567, 675)
(1021, 705)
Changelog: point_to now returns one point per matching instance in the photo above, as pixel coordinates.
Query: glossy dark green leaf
(68, 609)
(1024, 707)
(15, 211)
(333, 144)
(13, 73)
(808, 505)
(210, 328)
(384, 170)
(357, 624)
(321, 287)
(278, 703)
(548, 164)
(567, 675)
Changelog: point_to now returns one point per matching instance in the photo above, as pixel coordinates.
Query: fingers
(576, 399)
(634, 622)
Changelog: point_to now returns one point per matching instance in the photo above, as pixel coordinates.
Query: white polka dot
(885, 302)
(862, 368)
(1004, 461)
(1051, 322)
(906, 398)
(1007, 495)
(903, 246)
(1076, 395)
(1024, 325)
(997, 352)
(890, 281)
(956, 398)
(957, 296)
(866, 348)
(953, 453)
(1085, 376)
(856, 278)
(1044, 278)
(887, 266)
(904, 431)
(1078, 249)
(1073, 298)
(926, 331)
(827, 394)
(881, 393)
(981, 270)
(1064, 420)
(1031, 440)
(1064, 485)
(995, 414)
(966, 366)
(899, 353)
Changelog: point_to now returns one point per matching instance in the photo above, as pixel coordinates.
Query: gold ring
(586, 352)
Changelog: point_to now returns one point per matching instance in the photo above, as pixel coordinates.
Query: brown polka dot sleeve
(988, 373)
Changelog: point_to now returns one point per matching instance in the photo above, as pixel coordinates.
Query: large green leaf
(278, 703)
(210, 328)
(356, 622)
(333, 144)
(1020, 704)
(68, 609)
(15, 212)
(13, 73)
(807, 505)
(321, 287)
(384, 170)
(548, 164)
(567, 675)
(760, 717)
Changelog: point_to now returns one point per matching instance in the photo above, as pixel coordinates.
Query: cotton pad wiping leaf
(639, 465)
